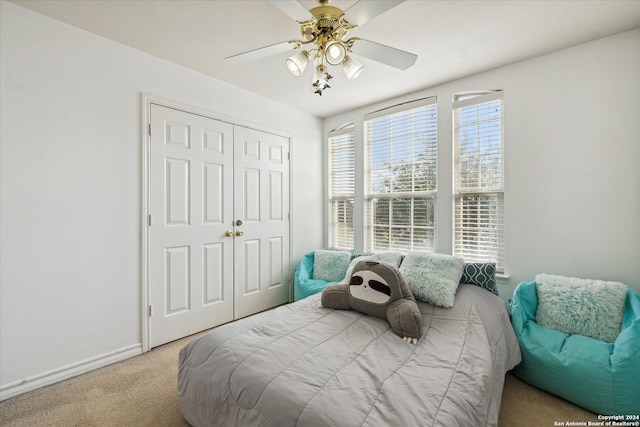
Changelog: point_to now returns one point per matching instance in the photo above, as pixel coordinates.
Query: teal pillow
(593, 308)
(433, 278)
(481, 274)
(330, 265)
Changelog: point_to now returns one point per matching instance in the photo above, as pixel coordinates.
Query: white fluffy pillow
(392, 258)
(433, 278)
(592, 308)
(330, 265)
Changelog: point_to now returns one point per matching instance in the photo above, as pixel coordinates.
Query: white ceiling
(452, 39)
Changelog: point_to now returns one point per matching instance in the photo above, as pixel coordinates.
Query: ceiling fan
(324, 32)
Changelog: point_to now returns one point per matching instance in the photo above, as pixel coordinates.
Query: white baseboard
(47, 378)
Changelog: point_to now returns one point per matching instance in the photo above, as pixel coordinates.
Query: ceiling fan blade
(385, 54)
(363, 11)
(255, 54)
(293, 9)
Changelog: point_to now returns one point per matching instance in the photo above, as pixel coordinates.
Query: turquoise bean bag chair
(599, 376)
(304, 284)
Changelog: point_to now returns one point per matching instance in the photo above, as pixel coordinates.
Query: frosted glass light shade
(352, 68)
(320, 70)
(335, 53)
(298, 62)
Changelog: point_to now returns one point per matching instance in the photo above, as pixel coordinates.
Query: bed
(305, 365)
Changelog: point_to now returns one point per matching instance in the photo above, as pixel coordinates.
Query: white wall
(71, 174)
(70, 178)
(572, 160)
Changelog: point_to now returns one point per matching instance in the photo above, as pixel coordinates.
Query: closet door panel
(190, 258)
(261, 183)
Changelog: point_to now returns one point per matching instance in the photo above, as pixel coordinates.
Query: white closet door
(191, 207)
(261, 204)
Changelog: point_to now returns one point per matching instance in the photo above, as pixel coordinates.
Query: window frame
(479, 239)
(345, 136)
(409, 234)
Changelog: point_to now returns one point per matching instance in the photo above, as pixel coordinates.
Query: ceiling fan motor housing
(327, 20)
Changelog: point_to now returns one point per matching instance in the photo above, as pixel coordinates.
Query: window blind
(479, 178)
(341, 188)
(401, 177)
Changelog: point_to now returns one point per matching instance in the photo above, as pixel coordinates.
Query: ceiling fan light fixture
(335, 53)
(298, 62)
(324, 36)
(352, 68)
(319, 74)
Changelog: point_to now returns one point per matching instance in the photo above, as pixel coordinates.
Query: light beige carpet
(141, 391)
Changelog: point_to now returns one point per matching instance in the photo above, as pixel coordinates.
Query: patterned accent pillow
(481, 274)
(330, 265)
(592, 308)
(433, 278)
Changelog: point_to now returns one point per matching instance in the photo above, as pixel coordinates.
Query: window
(401, 171)
(341, 188)
(479, 178)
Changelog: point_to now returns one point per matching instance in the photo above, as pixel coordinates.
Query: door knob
(228, 233)
(239, 233)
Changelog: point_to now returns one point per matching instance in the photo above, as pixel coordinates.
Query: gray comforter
(303, 365)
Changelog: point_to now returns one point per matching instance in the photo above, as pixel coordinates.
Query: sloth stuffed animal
(379, 290)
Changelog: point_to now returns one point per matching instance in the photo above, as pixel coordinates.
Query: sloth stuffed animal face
(378, 289)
